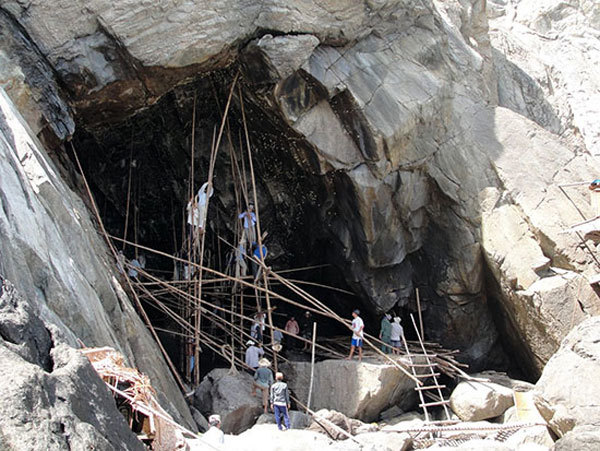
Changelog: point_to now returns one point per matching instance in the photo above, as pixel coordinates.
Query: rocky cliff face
(421, 141)
(50, 250)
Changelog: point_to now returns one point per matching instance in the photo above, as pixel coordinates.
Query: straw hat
(277, 347)
(264, 363)
(249, 343)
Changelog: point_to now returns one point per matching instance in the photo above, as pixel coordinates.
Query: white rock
(474, 401)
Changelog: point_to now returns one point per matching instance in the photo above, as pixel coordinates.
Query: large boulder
(475, 401)
(52, 398)
(229, 395)
(567, 392)
(360, 391)
(581, 438)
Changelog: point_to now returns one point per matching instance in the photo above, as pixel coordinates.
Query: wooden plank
(436, 403)
(430, 387)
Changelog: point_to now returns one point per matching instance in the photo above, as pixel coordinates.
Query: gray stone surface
(396, 106)
(229, 395)
(581, 438)
(50, 250)
(368, 389)
(333, 424)
(475, 401)
(52, 398)
(567, 392)
(298, 420)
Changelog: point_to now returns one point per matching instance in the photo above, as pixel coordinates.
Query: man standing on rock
(253, 353)
(280, 401)
(386, 331)
(357, 335)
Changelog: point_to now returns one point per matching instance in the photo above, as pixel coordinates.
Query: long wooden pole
(258, 230)
(312, 366)
(420, 314)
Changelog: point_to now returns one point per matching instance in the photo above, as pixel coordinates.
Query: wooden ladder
(434, 390)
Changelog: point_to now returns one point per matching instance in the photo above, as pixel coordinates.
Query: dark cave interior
(147, 158)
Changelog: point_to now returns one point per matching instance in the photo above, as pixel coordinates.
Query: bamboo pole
(420, 314)
(312, 366)
(258, 230)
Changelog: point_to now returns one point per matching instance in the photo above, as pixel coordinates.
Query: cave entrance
(143, 171)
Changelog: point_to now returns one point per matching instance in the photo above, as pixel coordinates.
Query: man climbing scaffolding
(197, 210)
(249, 221)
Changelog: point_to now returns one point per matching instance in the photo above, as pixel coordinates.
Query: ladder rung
(430, 387)
(425, 376)
(423, 365)
(436, 403)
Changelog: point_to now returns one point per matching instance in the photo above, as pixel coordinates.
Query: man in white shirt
(253, 354)
(357, 335)
(249, 221)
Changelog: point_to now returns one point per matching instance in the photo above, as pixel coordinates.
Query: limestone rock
(474, 401)
(537, 435)
(298, 420)
(581, 438)
(295, 440)
(567, 391)
(323, 419)
(51, 396)
(368, 388)
(385, 442)
(229, 396)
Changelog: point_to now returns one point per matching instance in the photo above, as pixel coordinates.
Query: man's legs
(360, 350)
(265, 398)
(278, 412)
(286, 418)
(351, 353)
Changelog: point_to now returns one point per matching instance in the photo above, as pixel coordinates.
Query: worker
(396, 335)
(292, 328)
(280, 401)
(263, 379)
(595, 197)
(384, 334)
(306, 327)
(214, 435)
(258, 326)
(241, 268)
(249, 221)
(253, 353)
(259, 253)
(135, 265)
(357, 335)
(197, 207)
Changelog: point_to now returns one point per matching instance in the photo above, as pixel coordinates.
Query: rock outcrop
(425, 147)
(229, 395)
(367, 389)
(51, 396)
(566, 394)
(52, 253)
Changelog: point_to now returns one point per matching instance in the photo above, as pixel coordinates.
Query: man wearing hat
(214, 435)
(263, 379)
(357, 335)
(396, 335)
(253, 353)
(384, 334)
